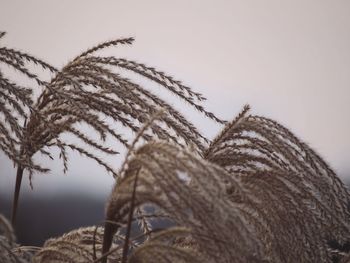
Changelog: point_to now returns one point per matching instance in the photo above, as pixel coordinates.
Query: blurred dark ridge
(41, 218)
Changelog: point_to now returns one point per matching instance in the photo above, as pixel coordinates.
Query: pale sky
(290, 60)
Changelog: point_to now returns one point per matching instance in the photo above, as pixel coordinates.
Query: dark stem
(111, 228)
(16, 194)
(128, 228)
(109, 231)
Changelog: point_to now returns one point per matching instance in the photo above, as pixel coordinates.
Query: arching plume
(256, 193)
(9, 252)
(302, 201)
(16, 100)
(90, 90)
(77, 246)
(193, 194)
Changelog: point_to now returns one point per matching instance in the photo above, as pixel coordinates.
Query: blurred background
(290, 60)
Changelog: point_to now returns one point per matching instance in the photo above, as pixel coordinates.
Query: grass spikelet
(8, 247)
(89, 90)
(303, 203)
(15, 100)
(163, 171)
(75, 246)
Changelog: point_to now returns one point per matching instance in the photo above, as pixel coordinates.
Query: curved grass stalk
(89, 90)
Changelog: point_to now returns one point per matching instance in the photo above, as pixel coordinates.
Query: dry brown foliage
(293, 187)
(77, 246)
(162, 172)
(90, 90)
(256, 193)
(260, 195)
(15, 100)
(9, 250)
(272, 199)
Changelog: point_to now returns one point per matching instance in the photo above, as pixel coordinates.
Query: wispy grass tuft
(91, 90)
(16, 101)
(256, 193)
(302, 204)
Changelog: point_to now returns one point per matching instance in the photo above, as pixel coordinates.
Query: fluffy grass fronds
(16, 106)
(302, 204)
(77, 246)
(6, 230)
(85, 245)
(15, 100)
(6, 253)
(8, 246)
(91, 90)
(165, 246)
(345, 258)
(193, 193)
(260, 195)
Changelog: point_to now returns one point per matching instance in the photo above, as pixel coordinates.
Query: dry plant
(256, 193)
(264, 203)
(15, 100)
(261, 195)
(78, 246)
(90, 90)
(9, 252)
(193, 194)
(6, 241)
(346, 258)
(301, 203)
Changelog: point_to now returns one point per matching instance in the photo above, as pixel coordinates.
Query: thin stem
(19, 176)
(109, 227)
(107, 241)
(128, 229)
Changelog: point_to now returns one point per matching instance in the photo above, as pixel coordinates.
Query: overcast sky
(290, 60)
